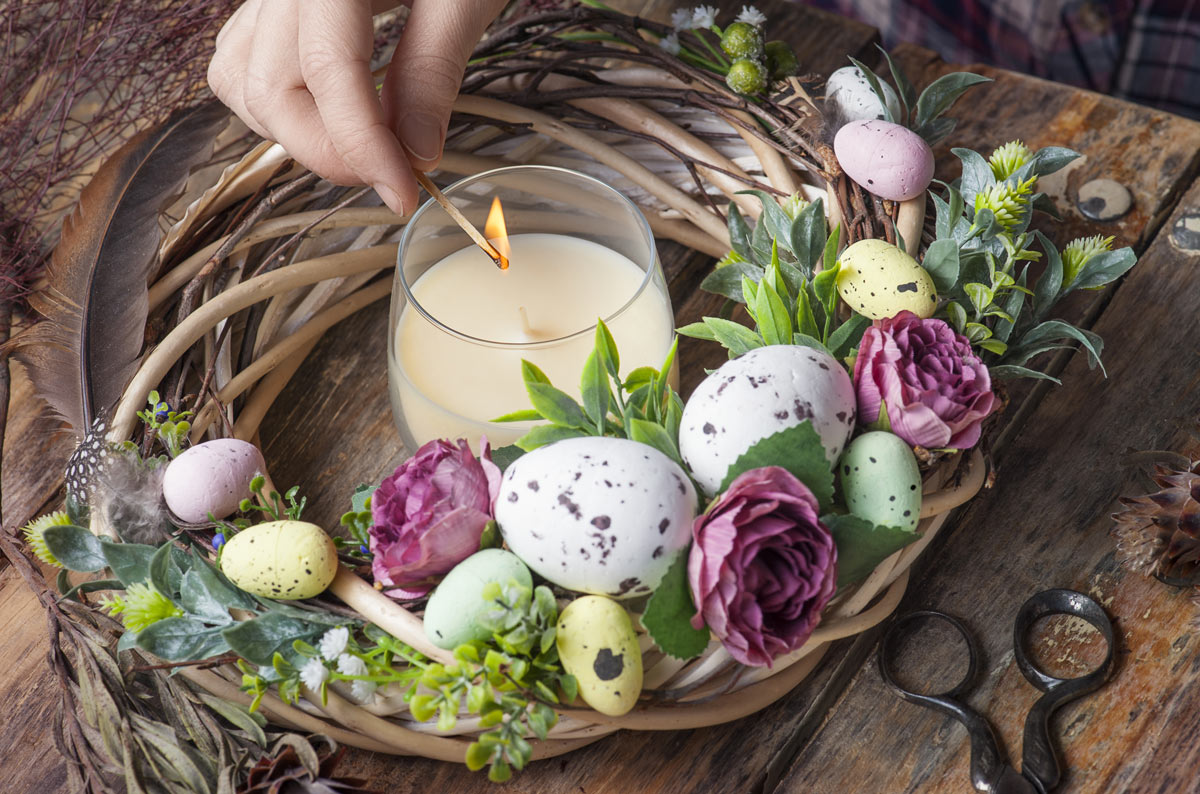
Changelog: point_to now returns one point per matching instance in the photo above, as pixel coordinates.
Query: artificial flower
(429, 515)
(333, 642)
(35, 535)
(925, 378)
(670, 43)
(681, 19)
(762, 566)
(141, 606)
(1007, 201)
(313, 674)
(704, 17)
(1079, 252)
(348, 664)
(1009, 158)
(751, 16)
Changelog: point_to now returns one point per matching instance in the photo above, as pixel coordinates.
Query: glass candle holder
(460, 326)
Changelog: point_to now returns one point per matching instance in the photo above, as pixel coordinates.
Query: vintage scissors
(990, 770)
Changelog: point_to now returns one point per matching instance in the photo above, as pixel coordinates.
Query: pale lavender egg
(889, 160)
(213, 477)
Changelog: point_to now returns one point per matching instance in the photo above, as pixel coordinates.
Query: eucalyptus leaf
(862, 545)
(1014, 304)
(542, 435)
(1052, 330)
(777, 221)
(259, 639)
(936, 131)
(92, 587)
(75, 547)
(1011, 371)
(130, 562)
(976, 173)
(739, 232)
(807, 236)
(361, 497)
(799, 450)
(668, 614)
(941, 262)
(182, 640)
(1103, 268)
(761, 243)
(1049, 159)
(943, 92)
(904, 86)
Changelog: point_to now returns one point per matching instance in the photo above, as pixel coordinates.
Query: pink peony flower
(762, 566)
(935, 389)
(429, 515)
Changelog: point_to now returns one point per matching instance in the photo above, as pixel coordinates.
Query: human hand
(298, 72)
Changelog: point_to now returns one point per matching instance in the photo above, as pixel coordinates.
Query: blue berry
(218, 540)
(161, 411)
(364, 549)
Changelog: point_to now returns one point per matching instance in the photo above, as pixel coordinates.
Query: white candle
(445, 386)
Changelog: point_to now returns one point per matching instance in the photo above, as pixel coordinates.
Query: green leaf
(904, 87)
(1011, 371)
(847, 336)
(1049, 159)
(862, 546)
(941, 262)
(994, 346)
(89, 587)
(825, 290)
(556, 406)
(1052, 330)
(977, 332)
(1103, 268)
(530, 373)
(1049, 284)
(606, 346)
(237, 716)
(980, 294)
(957, 315)
(809, 341)
(797, 449)
(669, 613)
(777, 222)
(638, 378)
(182, 640)
(976, 173)
(739, 232)
(258, 640)
(523, 415)
(1013, 307)
(761, 243)
(736, 337)
(829, 256)
(807, 236)
(943, 92)
(199, 602)
(593, 386)
(726, 280)
(542, 435)
(162, 577)
(876, 86)
(697, 331)
(806, 323)
(130, 562)
(504, 456)
(361, 497)
(218, 586)
(656, 436)
(75, 547)
(774, 321)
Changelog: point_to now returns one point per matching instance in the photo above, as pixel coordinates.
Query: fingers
(426, 71)
(227, 69)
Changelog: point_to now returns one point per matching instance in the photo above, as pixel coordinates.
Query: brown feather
(85, 351)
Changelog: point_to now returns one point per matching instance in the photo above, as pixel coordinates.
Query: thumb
(427, 69)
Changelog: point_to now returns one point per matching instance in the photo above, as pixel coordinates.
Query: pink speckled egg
(213, 477)
(889, 160)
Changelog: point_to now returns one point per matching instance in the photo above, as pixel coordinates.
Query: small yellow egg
(281, 559)
(597, 644)
(879, 281)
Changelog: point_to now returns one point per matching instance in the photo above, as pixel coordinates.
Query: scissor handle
(1039, 759)
(990, 770)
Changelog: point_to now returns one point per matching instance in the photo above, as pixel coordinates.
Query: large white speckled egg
(850, 93)
(213, 477)
(281, 559)
(597, 515)
(889, 160)
(758, 394)
(878, 280)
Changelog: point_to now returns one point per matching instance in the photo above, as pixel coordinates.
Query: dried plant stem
(267, 391)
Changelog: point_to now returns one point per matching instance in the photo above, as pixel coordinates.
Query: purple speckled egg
(889, 160)
(213, 477)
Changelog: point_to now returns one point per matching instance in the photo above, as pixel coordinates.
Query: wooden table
(1062, 463)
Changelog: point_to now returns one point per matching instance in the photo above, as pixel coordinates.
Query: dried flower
(1006, 200)
(35, 535)
(1079, 252)
(704, 17)
(1009, 158)
(670, 43)
(143, 605)
(681, 19)
(1159, 533)
(333, 642)
(752, 16)
(762, 566)
(314, 674)
(429, 515)
(926, 380)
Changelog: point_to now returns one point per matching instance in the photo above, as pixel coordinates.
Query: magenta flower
(429, 515)
(935, 389)
(762, 566)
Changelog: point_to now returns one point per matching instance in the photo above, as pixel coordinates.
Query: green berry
(781, 61)
(747, 76)
(742, 40)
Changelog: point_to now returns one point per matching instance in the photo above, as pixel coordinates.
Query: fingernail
(421, 135)
(390, 198)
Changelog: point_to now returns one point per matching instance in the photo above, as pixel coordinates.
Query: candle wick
(525, 326)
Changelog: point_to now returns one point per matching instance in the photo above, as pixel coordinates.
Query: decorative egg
(889, 160)
(452, 615)
(881, 481)
(597, 515)
(597, 644)
(758, 394)
(850, 93)
(213, 477)
(281, 559)
(879, 281)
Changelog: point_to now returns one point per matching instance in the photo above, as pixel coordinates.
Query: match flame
(497, 233)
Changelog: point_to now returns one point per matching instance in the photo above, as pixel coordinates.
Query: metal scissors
(990, 770)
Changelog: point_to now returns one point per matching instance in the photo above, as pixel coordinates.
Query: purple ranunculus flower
(428, 516)
(935, 389)
(762, 567)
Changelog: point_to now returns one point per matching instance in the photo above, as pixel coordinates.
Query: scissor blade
(1013, 782)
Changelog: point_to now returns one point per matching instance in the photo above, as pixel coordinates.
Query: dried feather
(85, 351)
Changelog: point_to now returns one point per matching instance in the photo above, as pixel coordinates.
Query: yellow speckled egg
(597, 644)
(878, 280)
(281, 559)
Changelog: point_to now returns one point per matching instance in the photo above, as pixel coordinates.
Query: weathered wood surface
(865, 740)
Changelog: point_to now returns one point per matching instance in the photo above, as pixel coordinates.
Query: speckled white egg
(597, 515)
(213, 477)
(758, 394)
(878, 280)
(881, 481)
(851, 95)
(886, 159)
(452, 615)
(281, 559)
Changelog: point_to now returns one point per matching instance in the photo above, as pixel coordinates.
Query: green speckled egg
(597, 644)
(878, 281)
(451, 616)
(281, 559)
(881, 481)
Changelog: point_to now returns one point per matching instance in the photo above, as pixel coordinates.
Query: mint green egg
(881, 481)
(452, 615)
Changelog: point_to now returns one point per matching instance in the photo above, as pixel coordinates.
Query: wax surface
(447, 387)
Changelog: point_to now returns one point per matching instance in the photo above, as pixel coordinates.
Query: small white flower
(348, 664)
(670, 43)
(363, 690)
(681, 19)
(313, 674)
(333, 643)
(704, 17)
(751, 16)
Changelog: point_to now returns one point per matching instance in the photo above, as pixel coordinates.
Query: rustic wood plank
(1044, 525)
